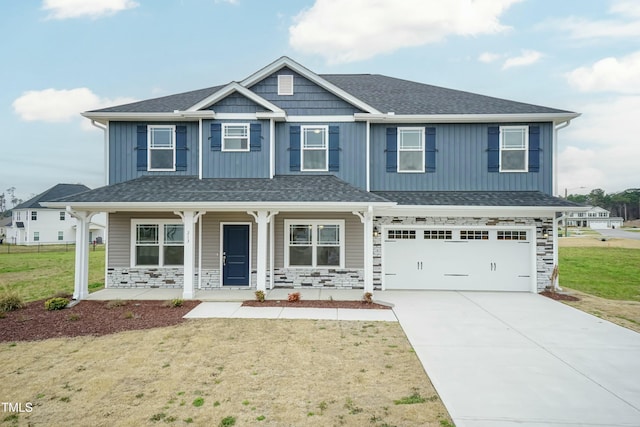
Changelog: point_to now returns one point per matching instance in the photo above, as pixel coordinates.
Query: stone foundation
(337, 278)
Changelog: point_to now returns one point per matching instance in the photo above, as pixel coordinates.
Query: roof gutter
(556, 128)
(465, 118)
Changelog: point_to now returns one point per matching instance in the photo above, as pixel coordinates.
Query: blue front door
(235, 255)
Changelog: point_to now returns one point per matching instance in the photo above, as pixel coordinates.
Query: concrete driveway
(622, 234)
(518, 359)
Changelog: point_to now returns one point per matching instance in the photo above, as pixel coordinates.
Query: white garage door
(458, 259)
(598, 225)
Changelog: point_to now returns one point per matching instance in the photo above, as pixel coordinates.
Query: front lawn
(607, 272)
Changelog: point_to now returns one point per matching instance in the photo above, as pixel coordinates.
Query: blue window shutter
(181, 148)
(294, 148)
(255, 137)
(334, 148)
(392, 149)
(430, 150)
(216, 137)
(141, 148)
(493, 149)
(534, 148)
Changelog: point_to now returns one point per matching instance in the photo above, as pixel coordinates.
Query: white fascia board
(219, 206)
(134, 117)
(465, 118)
(469, 211)
(303, 71)
(228, 90)
(321, 119)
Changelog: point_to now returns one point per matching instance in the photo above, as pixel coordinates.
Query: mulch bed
(96, 318)
(559, 296)
(316, 304)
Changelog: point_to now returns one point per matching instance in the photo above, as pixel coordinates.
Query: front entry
(235, 255)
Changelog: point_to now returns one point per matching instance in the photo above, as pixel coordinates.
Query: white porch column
(81, 282)
(189, 219)
(263, 218)
(367, 220)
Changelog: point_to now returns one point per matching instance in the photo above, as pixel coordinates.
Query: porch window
(158, 243)
(514, 143)
(410, 149)
(315, 147)
(235, 137)
(162, 148)
(314, 243)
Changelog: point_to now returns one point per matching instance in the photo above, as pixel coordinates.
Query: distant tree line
(625, 204)
(6, 199)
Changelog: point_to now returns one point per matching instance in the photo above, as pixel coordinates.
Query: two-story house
(289, 178)
(35, 224)
(595, 217)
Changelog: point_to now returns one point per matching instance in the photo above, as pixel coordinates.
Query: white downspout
(556, 221)
(200, 154)
(105, 130)
(272, 148)
(555, 154)
(368, 155)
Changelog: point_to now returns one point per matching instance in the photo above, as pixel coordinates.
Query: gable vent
(285, 84)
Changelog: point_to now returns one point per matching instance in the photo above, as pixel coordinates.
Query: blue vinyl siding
(352, 152)
(308, 98)
(221, 164)
(123, 154)
(236, 103)
(461, 163)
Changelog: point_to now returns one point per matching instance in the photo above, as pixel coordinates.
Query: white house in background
(596, 218)
(34, 224)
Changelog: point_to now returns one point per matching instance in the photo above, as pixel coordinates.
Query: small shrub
(367, 298)
(177, 302)
(73, 317)
(10, 302)
(198, 401)
(56, 304)
(261, 418)
(128, 315)
(294, 297)
(259, 296)
(116, 303)
(228, 421)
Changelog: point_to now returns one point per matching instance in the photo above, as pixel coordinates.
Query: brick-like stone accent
(145, 278)
(339, 278)
(544, 246)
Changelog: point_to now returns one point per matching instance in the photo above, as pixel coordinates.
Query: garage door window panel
(474, 235)
(437, 235)
(512, 235)
(401, 234)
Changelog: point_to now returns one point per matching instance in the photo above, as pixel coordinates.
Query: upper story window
(34, 215)
(285, 84)
(162, 148)
(514, 144)
(63, 215)
(235, 137)
(315, 148)
(410, 149)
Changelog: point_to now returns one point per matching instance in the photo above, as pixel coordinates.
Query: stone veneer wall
(338, 278)
(544, 246)
(154, 277)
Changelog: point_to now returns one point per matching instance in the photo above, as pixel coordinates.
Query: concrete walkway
(519, 359)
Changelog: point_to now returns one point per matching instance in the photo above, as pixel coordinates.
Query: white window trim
(525, 149)
(161, 223)
(399, 149)
(225, 126)
(285, 84)
(326, 148)
(314, 241)
(60, 236)
(150, 129)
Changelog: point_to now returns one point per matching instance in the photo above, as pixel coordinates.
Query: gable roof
(375, 94)
(56, 192)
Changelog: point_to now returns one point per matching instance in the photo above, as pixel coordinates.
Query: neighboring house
(596, 218)
(293, 179)
(35, 224)
(5, 224)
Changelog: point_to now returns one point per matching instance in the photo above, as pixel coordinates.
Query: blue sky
(62, 57)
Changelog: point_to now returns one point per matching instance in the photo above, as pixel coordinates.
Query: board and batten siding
(354, 235)
(352, 152)
(123, 154)
(461, 162)
(308, 98)
(244, 164)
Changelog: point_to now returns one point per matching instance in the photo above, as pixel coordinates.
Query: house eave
(465, 118)
(176, 116)
(466, 211)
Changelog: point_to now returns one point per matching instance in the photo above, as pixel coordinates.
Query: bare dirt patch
(623, 313)
(597, 241)
(316, 304)
(559, 296)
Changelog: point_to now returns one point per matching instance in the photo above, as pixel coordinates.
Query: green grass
(612, 273)
(36, 276)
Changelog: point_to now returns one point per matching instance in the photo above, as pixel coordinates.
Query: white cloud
(54, 106)
(527, 57)
(601, 150)
(624, 23)
(360, 29)
(64, 9)
(488, 57)
(609, 74)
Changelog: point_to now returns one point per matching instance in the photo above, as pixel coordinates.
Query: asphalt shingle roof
(177, 189)
(56, 192)
(476, 198)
